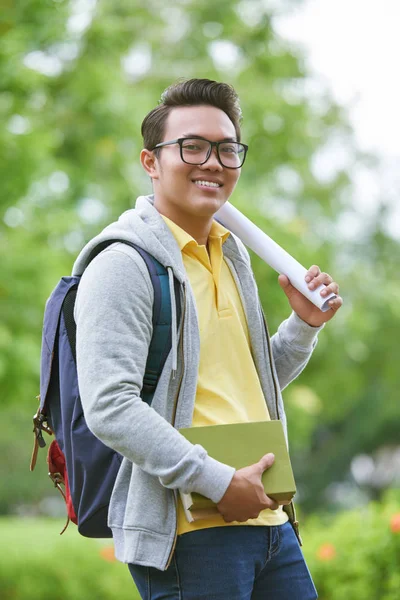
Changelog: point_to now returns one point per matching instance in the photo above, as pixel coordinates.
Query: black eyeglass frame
(212, 145)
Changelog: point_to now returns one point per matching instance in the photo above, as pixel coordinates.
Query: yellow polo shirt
(228, 387)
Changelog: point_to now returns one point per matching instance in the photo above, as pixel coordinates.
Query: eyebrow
(200, 137)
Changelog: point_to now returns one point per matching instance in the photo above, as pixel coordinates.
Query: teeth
(208, 183)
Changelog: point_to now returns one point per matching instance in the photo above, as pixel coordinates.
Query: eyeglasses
(197, 151)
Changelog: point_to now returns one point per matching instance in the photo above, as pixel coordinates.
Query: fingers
(265, 462)
(315, 278)
(312, 272)
(332, 288)
(336, 303)
(270, 503)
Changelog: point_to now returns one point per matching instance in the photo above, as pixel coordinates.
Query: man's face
(177, 186)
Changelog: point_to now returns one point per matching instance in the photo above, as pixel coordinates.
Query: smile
(209, 184)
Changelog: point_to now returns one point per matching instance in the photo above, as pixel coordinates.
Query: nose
(212, 162)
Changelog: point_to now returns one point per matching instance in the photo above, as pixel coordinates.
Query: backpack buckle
(39, 424)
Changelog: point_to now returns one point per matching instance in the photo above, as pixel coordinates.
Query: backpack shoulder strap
(161, 340)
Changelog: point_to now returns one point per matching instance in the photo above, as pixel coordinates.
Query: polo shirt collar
(183, 238)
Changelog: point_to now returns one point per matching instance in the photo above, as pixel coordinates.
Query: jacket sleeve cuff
(213, 480)
(297, 332)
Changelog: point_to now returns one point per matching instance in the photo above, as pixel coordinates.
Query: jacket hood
(145, 227)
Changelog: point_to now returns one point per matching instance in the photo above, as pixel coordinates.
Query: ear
(149, 163)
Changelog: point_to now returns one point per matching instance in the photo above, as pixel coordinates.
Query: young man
(222, 368)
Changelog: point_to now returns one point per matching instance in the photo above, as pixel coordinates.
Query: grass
(39, 564)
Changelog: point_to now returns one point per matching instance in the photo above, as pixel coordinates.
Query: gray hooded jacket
(113, 313)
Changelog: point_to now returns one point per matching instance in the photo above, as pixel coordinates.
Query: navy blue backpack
(78, 461)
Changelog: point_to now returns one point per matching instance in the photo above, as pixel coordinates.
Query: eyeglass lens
(195, 151)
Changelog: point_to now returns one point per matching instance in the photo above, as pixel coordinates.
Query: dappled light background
(77, 78)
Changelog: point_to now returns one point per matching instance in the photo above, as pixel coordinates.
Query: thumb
(287, 287)
(266, 462)
(284, 282)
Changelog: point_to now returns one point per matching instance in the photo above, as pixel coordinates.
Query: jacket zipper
(174, 417)
(289, 509)
(270, 360)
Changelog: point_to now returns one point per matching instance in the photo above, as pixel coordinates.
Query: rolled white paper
(271, 253)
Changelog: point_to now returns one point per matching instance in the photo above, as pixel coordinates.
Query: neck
(198, 227)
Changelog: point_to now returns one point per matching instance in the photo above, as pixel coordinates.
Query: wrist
(295, 331)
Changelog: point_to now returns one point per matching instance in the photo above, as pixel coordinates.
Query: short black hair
(190, 92)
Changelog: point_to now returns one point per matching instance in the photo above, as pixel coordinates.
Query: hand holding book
(258, 483)
(245, 497)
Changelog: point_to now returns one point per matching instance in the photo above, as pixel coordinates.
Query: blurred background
(320, 97)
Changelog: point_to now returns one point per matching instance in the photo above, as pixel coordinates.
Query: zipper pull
(39, 421)
(38, 425)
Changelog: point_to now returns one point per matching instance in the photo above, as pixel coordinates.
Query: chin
(207, 207)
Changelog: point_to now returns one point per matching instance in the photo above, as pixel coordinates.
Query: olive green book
(240, 445)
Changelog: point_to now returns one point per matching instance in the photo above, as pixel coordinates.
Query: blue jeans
(231, 563)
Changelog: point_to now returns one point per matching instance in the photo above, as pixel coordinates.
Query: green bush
(352, 556)
(356, 555)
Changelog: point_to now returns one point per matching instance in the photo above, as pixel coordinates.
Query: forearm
(292, 347)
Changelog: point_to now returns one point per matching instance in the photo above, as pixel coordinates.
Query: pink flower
(395, 523)
(107, 553)
(326, 552)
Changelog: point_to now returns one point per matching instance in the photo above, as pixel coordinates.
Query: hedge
(356, 555)
(352, 556)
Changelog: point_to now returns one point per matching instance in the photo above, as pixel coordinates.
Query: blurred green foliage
(76, 80)
(40, 565)
(354, 555)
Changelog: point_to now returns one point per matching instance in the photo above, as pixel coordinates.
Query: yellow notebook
(240, 445)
